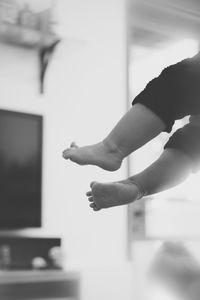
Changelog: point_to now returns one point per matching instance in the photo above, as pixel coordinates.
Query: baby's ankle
(113, 148)
(142, 192)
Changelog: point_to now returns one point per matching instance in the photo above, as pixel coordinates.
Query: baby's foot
(103, 155)
(105, 195)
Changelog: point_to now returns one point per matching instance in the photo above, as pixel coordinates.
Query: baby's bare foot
(105, 195)
(103, 155)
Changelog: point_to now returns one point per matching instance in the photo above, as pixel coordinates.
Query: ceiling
(155, 22)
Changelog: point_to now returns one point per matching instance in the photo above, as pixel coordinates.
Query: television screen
(20, 170)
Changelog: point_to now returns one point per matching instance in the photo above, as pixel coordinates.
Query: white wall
(86, 87)
(85, 96)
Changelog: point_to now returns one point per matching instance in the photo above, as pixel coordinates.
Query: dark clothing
(174, 94)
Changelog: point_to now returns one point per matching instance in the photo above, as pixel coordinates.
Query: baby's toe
(94, 207)
(92, 183)
(73, 145)
(67, 153)
(91, 199)
(88, 194)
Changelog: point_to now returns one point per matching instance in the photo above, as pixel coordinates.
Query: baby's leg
(170, 169)
(136, 128)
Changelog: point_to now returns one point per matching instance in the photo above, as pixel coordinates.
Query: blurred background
(69, 71)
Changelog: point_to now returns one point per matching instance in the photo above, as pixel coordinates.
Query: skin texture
(170, 169)
(134, 130)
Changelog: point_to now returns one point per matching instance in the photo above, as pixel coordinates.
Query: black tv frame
(40, 137)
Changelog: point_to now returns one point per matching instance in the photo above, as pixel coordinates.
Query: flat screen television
(20, 170)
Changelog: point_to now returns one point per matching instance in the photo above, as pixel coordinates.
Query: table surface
(36, 275)
(43, 284)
